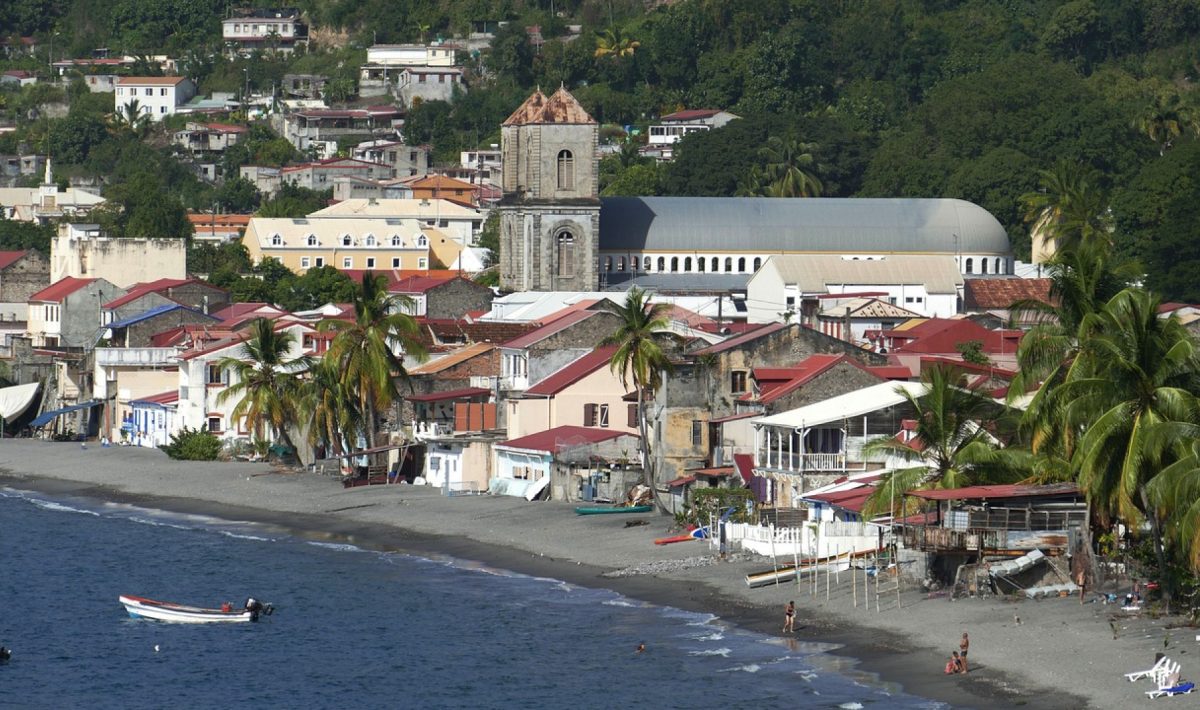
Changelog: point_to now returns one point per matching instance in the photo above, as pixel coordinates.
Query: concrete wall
(123, 262)
(80, 322)
(25, 277)
(567, 408)
(138, 383)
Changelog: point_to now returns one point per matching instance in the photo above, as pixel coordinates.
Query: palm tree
(327, 409)
(130, 118)
(640, 356)
(1164, 120)
(788, 168)
(267, 385)
(1134, 371)
(368, 350)
(422, 28)
(951, 447)
(614, 44)
(1069, 206)
(1175, 491)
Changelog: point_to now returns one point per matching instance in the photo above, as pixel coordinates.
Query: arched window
(646, 264)
(620, 263)
(757, 263)
(674, 264)
(999, 266)
(662, 264)
(312, 240)
(742, 265)
(422, 241)
(687, 265)
(396, 241)
(566, 254)
(608, 263)
(276, 240)
(728, 264)
(716, 265)
(347, 240)
(983, 265)
(700, 264)
(970, 268)
(566, 170)
(370, 240)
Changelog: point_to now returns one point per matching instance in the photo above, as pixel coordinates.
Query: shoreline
(547, 540)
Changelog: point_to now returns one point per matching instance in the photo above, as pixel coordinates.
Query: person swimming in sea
(641, 648)
(5, 654)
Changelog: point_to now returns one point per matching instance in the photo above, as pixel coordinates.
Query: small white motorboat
(142, 608)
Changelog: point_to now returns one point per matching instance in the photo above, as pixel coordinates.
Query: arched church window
(983, 265)
(757, 263)
(742, 265)
(566, 170)
(566, 254)
(999, 266)
(608, 263)
(716, 265)
(620, 263)
(674, 264)
(687, 265)
(700, 264)
(662, 264)
(728, 264)
(970, 269)
(646, 264)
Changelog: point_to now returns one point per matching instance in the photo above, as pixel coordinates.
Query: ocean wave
(718, 636)
(851, 706)
(339, 546)
(618, 602)
(807, 676)
(723, 652)
(59, 507)
(243, 536)
(159, 523)
(747, 668)
(705, 620)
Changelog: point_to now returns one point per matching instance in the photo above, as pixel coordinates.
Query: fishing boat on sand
(142, 608)
(613, 510)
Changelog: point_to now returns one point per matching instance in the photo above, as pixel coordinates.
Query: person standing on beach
(789, 618)
(963, 647)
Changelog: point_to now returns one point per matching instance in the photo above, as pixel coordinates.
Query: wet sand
(1062, 655)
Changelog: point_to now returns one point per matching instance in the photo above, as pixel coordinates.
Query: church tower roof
(562, 108)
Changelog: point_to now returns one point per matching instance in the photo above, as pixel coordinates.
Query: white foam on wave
(747, 668)
(704, 621)
(243, 536)
(851, 706)
(618, 602)
(722, 652)
(59, 507)
(159, 523)
(807, 676)
(339, 546)
(718, 636)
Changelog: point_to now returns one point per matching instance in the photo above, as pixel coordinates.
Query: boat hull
(614, 511)
(141, 608)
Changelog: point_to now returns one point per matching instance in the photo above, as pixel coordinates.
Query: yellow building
(301, 244)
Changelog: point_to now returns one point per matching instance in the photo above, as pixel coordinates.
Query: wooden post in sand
(837, 563)
(774, 561)
(854, 585)
(827, 573)
(796, 561)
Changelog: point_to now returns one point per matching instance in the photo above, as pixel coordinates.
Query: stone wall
(139, 333)
(25, 277)
(839, 379)
(453, 299)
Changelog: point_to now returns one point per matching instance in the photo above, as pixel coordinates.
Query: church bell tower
(550, 211)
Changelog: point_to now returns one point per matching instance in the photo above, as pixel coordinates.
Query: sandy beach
(1061, 655)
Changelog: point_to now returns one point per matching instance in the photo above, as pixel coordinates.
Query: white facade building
(156, 96)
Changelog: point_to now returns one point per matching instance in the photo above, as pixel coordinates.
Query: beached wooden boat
(142, 608)
(676, 538)
(787, 572)
(611, 510)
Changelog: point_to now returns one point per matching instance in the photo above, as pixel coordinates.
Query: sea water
(357, 629)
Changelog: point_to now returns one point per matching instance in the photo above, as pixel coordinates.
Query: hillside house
(155, 97)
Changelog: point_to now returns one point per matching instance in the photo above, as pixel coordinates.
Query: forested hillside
(873, 97)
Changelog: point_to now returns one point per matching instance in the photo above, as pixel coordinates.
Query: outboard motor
(257, 608)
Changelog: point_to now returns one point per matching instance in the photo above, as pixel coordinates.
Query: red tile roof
(8, 258)
(397, 276)
(558, 324)
(563, 438)
(998, 492)
(150, 80)
(57, 291)
(851, 500)
(941, 335)
(138, 290)
(576, 371)
(1001, 294)
(691, 114)
(162, 398)
(681, 481)
(890, 372)
(774, 383)
(235, 311)
(739, 340)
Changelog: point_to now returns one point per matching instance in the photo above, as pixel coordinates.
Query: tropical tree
(1133, 372)
(614, 44)
(130, 118)
(369, 350)
(1175, 492)
(641, 357)
(1165, 119)
(951, 446)
(328, 410)
(1070, 206)
(266, 381)
(788, 168)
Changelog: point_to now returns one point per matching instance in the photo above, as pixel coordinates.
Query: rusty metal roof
(562, 107)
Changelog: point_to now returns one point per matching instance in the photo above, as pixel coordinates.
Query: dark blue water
(355, 629)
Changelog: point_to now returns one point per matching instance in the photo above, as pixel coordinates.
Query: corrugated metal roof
(8, 258)
(59, 290)
(852, 404)
(816, 273)
(461, 393)
(554, 326)
(827, 224)
(576, 371)
(997, 492)
(153, 312)
(450, 360)
(563, 438)
(736, 341)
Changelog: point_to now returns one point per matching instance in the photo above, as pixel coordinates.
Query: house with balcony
(208, 138)
(415, 85)
(385, 62)
(538, 354)
(251, 30)
(803, 449)
(124, 375)
(850, 317)
(320, 130)
(584, 393)
(405, 160)
(672, 127)
(150, 421)
(319, 175)
(572, 463)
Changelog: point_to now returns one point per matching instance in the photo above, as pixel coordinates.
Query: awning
(464, 393)
(14, 400)
(681, 481)
(46, 417)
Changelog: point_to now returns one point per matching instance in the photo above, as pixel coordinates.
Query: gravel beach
(1060, 655)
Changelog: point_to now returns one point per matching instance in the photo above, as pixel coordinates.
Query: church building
(558, 234)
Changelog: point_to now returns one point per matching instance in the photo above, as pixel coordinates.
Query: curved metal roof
(823, 224)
